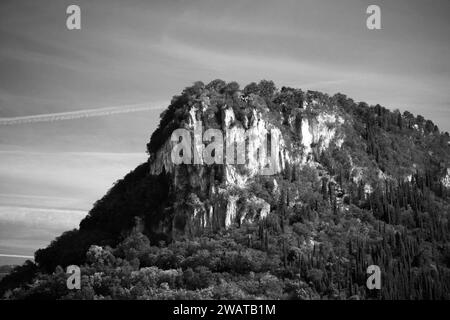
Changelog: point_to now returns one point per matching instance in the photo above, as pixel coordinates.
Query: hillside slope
(351, 185)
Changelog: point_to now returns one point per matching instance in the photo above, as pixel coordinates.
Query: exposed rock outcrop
(219, 187)
(446, 179)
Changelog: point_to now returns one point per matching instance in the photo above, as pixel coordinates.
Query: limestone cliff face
(215, 192)
(320, 131)
(446, 179)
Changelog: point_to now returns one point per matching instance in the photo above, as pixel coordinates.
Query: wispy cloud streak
(15, 256)
(71, 115)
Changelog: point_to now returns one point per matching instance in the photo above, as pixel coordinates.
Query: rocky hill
(304, 193)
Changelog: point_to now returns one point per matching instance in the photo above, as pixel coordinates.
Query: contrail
(15, 256)
(87, 113)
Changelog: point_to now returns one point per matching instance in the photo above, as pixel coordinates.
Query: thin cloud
(42, 217)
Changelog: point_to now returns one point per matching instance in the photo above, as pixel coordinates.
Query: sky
(144, 52)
